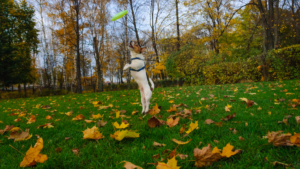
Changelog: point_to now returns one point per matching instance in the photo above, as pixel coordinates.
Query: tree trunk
(276, 25)
(177, 23)
(25, 89)
(98, 66)
(19, 88)
(134, 23)
(126, 53)
(78, 49)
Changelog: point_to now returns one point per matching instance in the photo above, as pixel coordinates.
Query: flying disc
(119, 15)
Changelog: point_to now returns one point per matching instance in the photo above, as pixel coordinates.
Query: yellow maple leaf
(33, 155)
(78, 117)
(227, 151)
(119, 135)
(295, 139)
(171, 101)
(193, 126)
(117, 114)
(97, 116)
(32, 119)
(92, 133)
(69, 113)
(155, 110)
(122, 126)
(171, 164)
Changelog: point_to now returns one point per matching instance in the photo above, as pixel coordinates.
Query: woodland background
(61, 46)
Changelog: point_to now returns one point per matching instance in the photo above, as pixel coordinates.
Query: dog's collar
(138, 69)
(136, 58)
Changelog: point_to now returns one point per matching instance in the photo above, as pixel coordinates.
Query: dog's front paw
(126, 67)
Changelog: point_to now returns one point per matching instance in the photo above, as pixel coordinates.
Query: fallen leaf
(228, 117)
(182, 156)
(92, 133)
(171, 101)
(32, 119)
(205, 156)
(48, 117)
(119, 135)
(241, 138)
(180, 142)
(295, 139)
(97, 116)
(20, 136)
(122, 126)
(33, 155)
(46, 125)
(172, 154)
(246, 124)
(69, 113)
(89, 121)
(129, 165)
(182, 129)
(79, 117)
(156, 144)
(17, 120)
(156, 156)
(171, 122)
(134, 112)
(278, 139)
(58, 149)
(193, 126)
(297, 119)
(208, 121)
(153, 122)
(101, 123)
(227, 151)
(75, 151)
(155, 110)
(219, 124)
(171, 164)
(172, 109)
(7, 128)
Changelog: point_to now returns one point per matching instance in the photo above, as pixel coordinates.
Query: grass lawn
(108, 152)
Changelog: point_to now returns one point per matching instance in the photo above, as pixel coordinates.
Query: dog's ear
(143, 49)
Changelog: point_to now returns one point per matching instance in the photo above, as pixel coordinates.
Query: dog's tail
(152, 84)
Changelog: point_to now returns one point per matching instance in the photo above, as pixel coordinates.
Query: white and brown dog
(138, 72)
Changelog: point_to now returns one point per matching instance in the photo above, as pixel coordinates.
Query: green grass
(108, 153)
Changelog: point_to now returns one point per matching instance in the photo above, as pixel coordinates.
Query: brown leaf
(285, 121)
(101, 123)
(58, 149)
(156, 156)
(75, 151)
(172, 154)
(7, 128)
(234, 131)
(156, 144)
(129, 165)
(229, 117)
(278, 139)
(153, 122)
(250, 103)
(241, 138)
(19, 136)
(187, 112)
(182, 156)
(216, 141)
(218, 124)
(172, 109)
(297, 119)
(171, 122)
(208, 121)
(182, 129)
(205, 156)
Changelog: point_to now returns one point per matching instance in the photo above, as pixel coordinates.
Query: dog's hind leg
(142, 98)
(147, 100)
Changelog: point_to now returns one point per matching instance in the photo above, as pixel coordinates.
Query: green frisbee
(119, 15)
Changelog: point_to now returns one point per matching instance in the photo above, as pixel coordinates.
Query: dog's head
(135, 47)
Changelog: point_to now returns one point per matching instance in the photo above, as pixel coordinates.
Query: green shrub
(284, 63)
